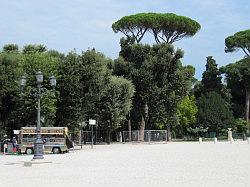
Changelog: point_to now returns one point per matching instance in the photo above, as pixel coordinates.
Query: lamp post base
(38, 148)
(38, 157)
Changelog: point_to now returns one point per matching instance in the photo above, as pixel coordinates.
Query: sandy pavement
(171, 164)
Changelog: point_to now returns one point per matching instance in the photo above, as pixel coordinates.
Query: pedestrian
(14, 143)
(5, 148)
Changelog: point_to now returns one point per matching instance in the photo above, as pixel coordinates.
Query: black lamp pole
(38, 146)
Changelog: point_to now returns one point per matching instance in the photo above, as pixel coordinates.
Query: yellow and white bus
(55, 140)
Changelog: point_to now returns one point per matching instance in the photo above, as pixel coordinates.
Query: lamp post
(146, 111)
(146, 120)
(129, 127)
(81, 124)
(38, 144)
(92, 122)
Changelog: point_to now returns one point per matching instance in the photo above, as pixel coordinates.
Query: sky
(66, 25)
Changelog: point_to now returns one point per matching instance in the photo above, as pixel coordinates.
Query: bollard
(248, 140)
(231, 140)
(200, 140)
(215, 140)
(230, 135)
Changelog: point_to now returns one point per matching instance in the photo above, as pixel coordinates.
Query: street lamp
(38, 144)
(129, 127)
(22, 82)
(53, 81)
(146, 120)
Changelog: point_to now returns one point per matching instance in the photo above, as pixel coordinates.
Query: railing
(208, 136)
(149, 135)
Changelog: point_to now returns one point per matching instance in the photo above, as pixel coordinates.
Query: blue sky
(81, 24)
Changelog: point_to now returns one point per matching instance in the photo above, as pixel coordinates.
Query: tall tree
(165, 27)
(211, 81)
(160, 82)
(240, 40)
(88, 90)
(83, 80)
(214, 113)
(238, 80)
(211, 78)
(115, 104)
(9, 73)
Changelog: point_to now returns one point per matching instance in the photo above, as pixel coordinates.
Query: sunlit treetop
(240, 40)
(165, 27)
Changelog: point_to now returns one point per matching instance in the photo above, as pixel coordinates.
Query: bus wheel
(56, 150)
(29, 151)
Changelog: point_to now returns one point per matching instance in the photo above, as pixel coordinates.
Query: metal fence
(99, 137)
(149, 135)
(84, 137)
(209, 136)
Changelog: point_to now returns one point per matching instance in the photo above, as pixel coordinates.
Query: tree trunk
(142, 129)
(129, 130)
(169, 133)
(247, 105)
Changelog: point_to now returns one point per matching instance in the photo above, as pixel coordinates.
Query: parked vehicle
(55, 140)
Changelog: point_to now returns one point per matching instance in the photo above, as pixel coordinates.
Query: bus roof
(45, 130)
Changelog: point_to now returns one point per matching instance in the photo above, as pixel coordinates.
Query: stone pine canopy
(240, 40)
(165, 27)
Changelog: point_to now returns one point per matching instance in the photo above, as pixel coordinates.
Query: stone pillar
(200, 140)
(120, 137)
(230, 135)
(215, 140)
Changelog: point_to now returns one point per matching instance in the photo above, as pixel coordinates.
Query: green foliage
(82, 83)
(56, 54)
(214, 113)
(239, 70)
(211, 82)
(165, 27)
(10, 48)
(31, 63)
(34, 48)
(241, 125)
(240, 40)
(116, 102)
(16, 110)
(171, 82)
(9, 73)
(186, 113)
(211, 78)
(237, 78)
(159, 78)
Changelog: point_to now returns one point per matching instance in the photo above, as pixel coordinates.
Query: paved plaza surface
(171, 164)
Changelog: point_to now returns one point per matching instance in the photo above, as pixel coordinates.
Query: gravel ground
(171, 164)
